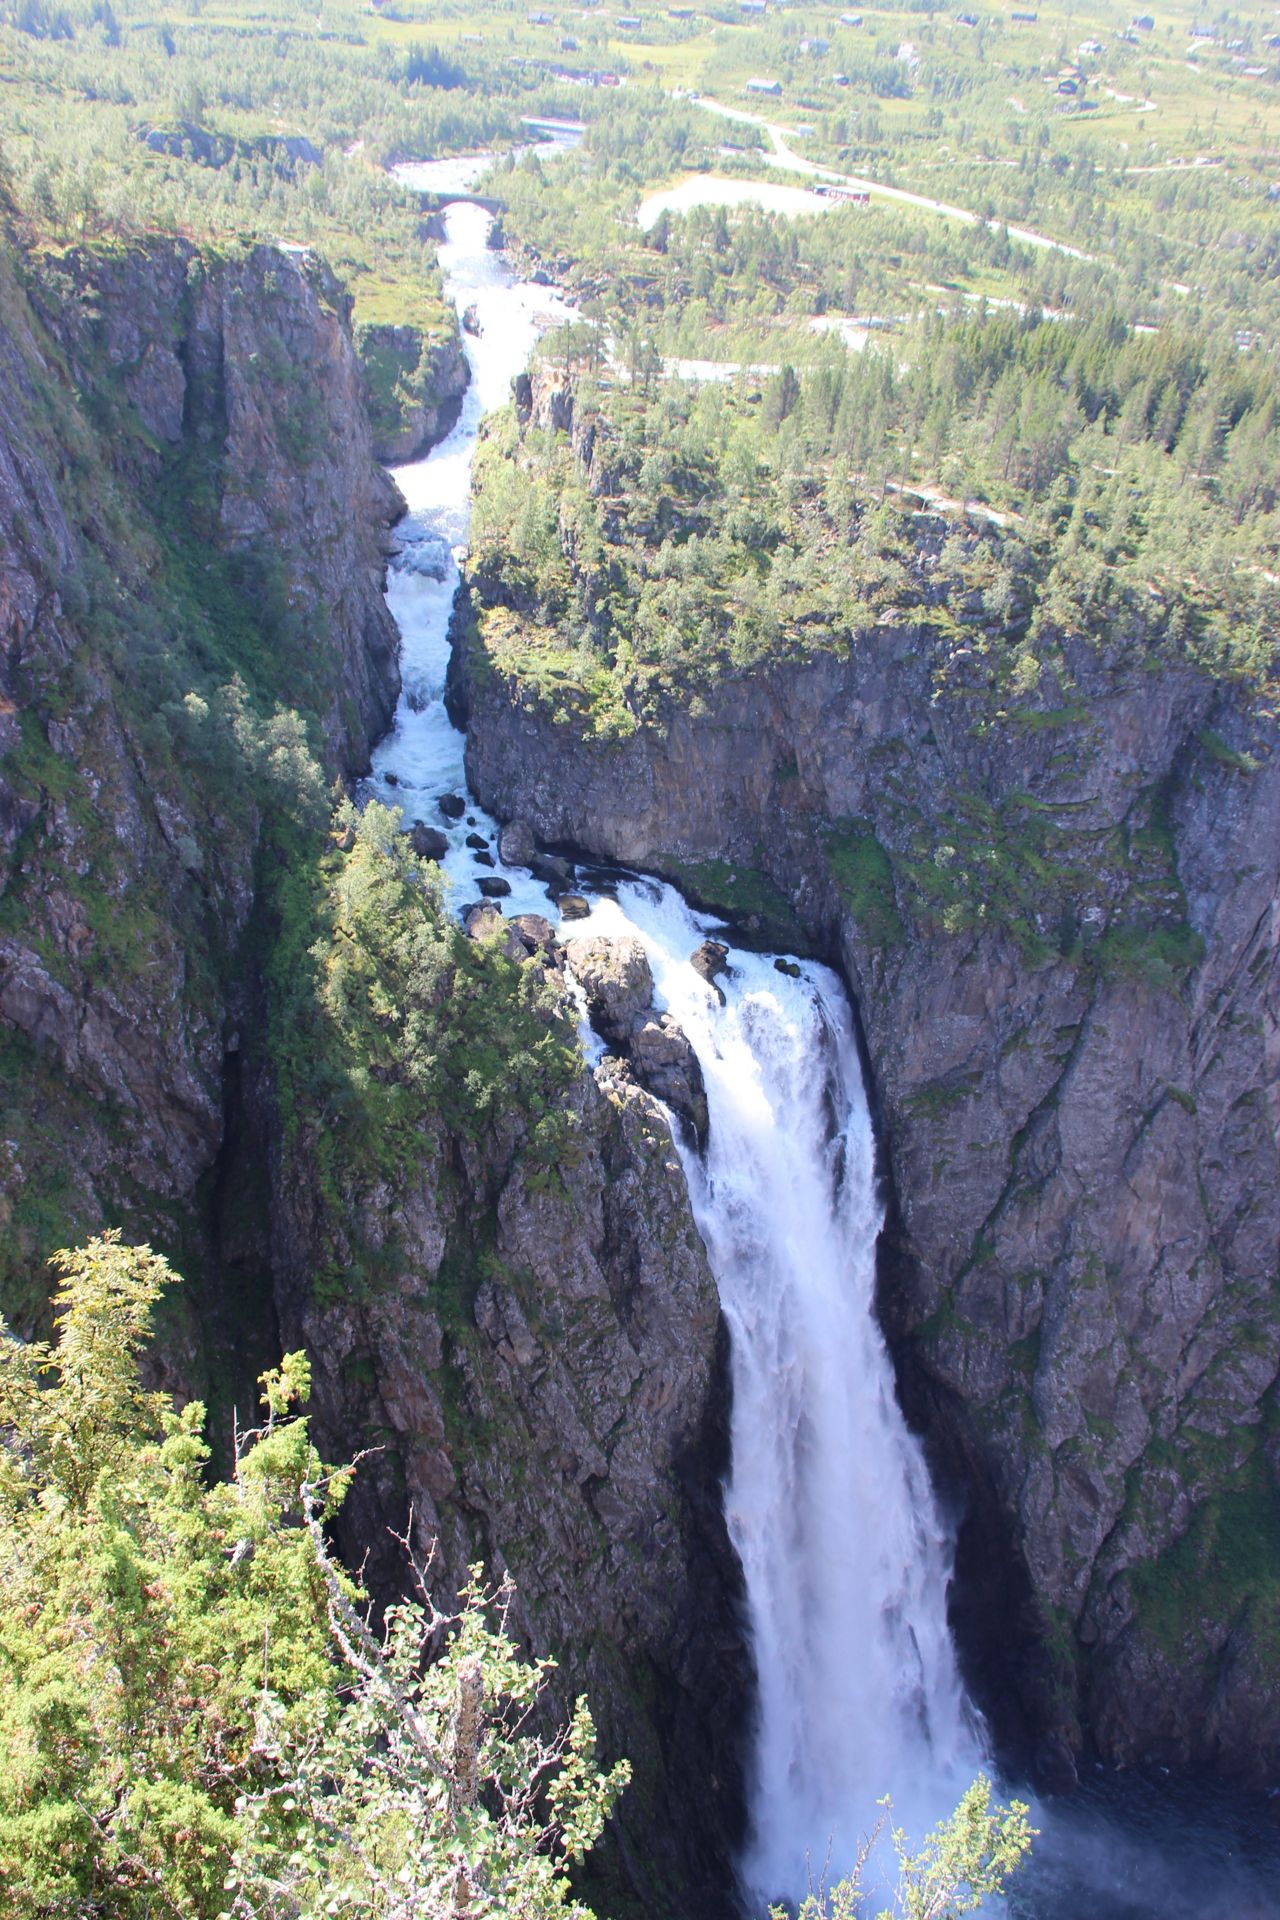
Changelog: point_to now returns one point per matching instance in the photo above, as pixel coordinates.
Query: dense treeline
(722, 523)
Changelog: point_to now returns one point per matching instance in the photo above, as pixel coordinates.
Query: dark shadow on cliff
(990, 1605)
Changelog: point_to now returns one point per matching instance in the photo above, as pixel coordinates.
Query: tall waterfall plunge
(829, 1504)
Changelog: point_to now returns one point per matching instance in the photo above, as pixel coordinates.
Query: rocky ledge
(414, 383)
(618, 983)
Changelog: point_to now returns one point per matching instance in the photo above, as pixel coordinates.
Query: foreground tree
(195, 1716)
(965, 1861)
(198, 1720)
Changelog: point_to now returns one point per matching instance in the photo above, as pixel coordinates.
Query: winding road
(784, 156)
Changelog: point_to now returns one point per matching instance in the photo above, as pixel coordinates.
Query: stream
(828, 1501)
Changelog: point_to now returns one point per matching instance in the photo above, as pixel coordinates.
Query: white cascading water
(828, 1503)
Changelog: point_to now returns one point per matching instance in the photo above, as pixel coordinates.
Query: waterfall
(828, 1502)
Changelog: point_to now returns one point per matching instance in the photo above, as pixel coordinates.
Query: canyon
(1068, 1022)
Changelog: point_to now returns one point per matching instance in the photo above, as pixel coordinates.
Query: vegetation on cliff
(167, 685)
(388, 1022)
(705, 527)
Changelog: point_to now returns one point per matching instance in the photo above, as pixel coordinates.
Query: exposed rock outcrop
(185, 140)
(191, 538)
(540, 1358)
(1057, 912)
(617, 981)
(243, 366)
(414, 380)
(616, 978)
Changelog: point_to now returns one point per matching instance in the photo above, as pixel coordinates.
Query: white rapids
(828, 1502)
(422, 755)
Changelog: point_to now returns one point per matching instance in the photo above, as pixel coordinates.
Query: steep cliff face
(529, 1339)
(192, 636)
(415, 378)
(244, 367)
(1057, 913)
(194, 644)
(538, 1366)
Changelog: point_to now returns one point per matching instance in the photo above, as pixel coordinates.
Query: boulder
(537, 933)
(665, 1064)
(572, 906)
(452, 805)
(551, 869)
(617, 981)
(789, 967)
(478, 841)
(485, 922)
(711, 958)
(486, 859)
(515, 844)
(428, 842)
(493, 887)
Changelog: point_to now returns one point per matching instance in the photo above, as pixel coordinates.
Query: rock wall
(540, 1365)
(1058, 916)
(191, 560)
(193, 640)
(414, 381)
(243, 365)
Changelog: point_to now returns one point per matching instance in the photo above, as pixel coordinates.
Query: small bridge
(433, 202)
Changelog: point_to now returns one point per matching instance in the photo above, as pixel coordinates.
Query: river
(828, 1502)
